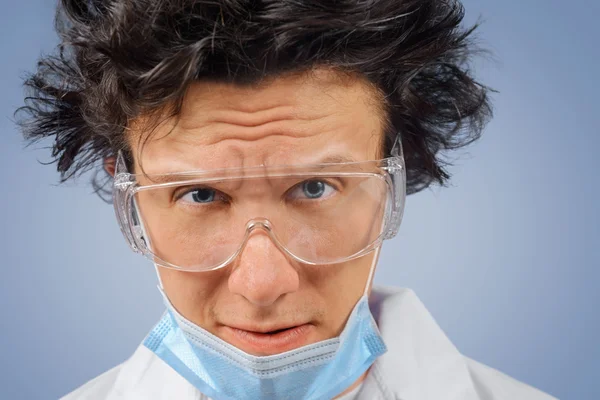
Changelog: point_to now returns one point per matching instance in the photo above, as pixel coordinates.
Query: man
(259, 153)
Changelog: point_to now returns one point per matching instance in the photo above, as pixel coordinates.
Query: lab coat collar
(421, 362)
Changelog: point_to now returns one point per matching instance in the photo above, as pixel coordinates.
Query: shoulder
(494, 385)
(431, 366)
(97, 388)
(143, 376)
(117, 381)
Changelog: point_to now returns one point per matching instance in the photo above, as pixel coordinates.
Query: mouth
(262, 342)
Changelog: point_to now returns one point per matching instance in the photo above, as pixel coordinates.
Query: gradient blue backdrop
(506, 259)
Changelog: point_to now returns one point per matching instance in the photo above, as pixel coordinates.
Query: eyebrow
(336, 159)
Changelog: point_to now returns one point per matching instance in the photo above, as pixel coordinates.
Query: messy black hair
(118, 59)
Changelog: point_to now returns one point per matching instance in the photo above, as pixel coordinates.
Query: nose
(262, 273)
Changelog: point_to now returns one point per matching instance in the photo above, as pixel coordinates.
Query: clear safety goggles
(316, 214)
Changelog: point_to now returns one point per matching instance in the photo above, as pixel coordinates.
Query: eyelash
(178, 195)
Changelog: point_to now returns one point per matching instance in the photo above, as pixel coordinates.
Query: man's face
(297, 119)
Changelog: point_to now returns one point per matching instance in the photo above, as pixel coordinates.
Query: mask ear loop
(372, 271)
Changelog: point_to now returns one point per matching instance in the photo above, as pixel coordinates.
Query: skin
(293, 119)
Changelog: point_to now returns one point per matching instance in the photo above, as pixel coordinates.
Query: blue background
(506, 259)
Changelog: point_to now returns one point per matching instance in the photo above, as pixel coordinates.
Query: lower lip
(269, 343)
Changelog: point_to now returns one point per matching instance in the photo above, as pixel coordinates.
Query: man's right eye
(200, 195)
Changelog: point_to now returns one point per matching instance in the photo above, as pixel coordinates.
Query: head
(186, 85)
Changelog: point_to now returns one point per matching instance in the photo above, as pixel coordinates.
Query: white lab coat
(421, 364)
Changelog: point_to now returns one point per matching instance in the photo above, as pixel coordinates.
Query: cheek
(194, 294)
(340, 286)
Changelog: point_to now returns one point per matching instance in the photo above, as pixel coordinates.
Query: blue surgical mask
(319, 371)
(221, 371)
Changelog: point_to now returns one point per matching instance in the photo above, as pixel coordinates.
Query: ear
(109, 165)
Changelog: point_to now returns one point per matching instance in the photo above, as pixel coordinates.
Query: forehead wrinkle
(287, 98)
(219, 131)
(250, 119)
(255, 134)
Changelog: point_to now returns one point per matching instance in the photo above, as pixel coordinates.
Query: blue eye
(201, 195)
(312, 189)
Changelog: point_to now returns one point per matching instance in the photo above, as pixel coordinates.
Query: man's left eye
(312, 189)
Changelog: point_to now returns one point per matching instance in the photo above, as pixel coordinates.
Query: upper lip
(265, 328)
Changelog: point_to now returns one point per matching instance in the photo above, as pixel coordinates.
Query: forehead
(295, 119)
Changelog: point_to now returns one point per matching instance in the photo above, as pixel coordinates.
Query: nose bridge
(262, 272)
(256, 225)
(259, 223)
